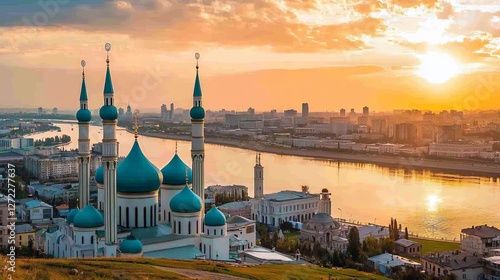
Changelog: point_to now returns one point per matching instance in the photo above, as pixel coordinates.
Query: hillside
(46, 269)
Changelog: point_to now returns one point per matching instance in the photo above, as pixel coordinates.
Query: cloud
(415, 3)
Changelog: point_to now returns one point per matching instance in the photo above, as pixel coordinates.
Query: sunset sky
(266, 54)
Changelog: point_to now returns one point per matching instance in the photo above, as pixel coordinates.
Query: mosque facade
(142, 211)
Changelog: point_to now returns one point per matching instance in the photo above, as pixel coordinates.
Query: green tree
(354, 246)
(371, 247)
(286, 226)
(387, 245)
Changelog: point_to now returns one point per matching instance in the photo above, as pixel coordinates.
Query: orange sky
(262, 54)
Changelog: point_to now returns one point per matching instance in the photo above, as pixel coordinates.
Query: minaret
(325, 203)
(197, 139)
(109, 114)
(84, 117)
(258, 178)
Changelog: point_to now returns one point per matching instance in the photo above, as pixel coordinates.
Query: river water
(430, 204)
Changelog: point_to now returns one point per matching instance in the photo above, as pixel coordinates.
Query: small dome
(108, 112)
(136, 174)
(322, 218)
(71, 215)
(186, 201)
(83, 115)
(197, 113)
(88, 217)
(99, 175)
(215, 217)
(324, 190)
(174, 173)
(131, 245)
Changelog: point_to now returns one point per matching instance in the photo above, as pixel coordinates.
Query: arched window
(92, 239)
(175, 227)
(151, 216)
(144, 217)
(204, 248)
(189, 227)
(197, 228)
(169, 216)
(208, 232)
(155, 215)
(83, 240)
(215, 233)
(127, 217)
(119, 215)
(221, 231)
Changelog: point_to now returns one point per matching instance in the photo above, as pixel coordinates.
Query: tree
(286, 226)
(354, 246)
(371, 247)
(387, 245)
(406, 232)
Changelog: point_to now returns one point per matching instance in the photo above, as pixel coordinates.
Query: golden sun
(437, 68)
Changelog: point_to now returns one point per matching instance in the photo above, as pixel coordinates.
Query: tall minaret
(197, 140)
(258, 178)
(325, 202)
(109, 114)
(84, 117)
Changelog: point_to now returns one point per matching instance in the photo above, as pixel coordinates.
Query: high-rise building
(258, 178)
(449, 133)
(251, 111)
(40, 110)
(405, 132)
(54, 111)
(342, 112)
(366, 111)
(290, 113)
(305, 111)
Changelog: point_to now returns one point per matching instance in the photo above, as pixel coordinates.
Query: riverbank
(443, 165)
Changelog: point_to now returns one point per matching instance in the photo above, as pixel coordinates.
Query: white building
(459, 150)
(36, 212)
(480, 239)
(56, 166)
(374, 231)
(132, 224)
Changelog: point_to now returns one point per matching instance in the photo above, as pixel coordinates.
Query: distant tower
(258, 177)
(84, 117)
(366, 111)
(342, 112)
(40, 111)
(305, 111)
(197, 114)
(109, 114)
(171, 112)
(325, 203)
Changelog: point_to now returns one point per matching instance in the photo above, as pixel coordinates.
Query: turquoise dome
(197, 113)
(88, 217)
(174, 173)
(186, 201)
(136, 174)
(131, 245)
(99, 175)
(108, 112)
(83, 115)
(215, 217)
(71, 215)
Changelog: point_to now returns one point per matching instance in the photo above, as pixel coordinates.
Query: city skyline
(429, 55)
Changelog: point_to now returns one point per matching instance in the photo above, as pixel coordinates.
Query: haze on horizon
(275, 54)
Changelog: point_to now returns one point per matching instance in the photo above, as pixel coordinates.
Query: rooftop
(482, 231)
(454, 259)
(238, 220)
(156, 234)
(36, 203)
(288, 195)
(494, 260)
(235, 205)
(179, 253)
(373, 231)
(266, 255)
(390, 260)
(406, 243)
(24, 228)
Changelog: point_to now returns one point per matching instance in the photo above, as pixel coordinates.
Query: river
(429, 203)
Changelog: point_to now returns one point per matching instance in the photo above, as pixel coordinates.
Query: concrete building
(342, 112)
(5, 213)
(54, 166)
(459, 149)
(463, 265)
(24, 233)
(408, 248)
(36, 212)
(480, 239)
(366, 111)
(377, 232)
(405, 133)
(243, 229)
(305, 112)
(237, 208)
(324, 229)
(491, 268)
(447, 133)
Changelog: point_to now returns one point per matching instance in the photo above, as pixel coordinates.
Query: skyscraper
(305, 111)
(342, 112)
(366, 111)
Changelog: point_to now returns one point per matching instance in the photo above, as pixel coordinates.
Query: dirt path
(197, 274)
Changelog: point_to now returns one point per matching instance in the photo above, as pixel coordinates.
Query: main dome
(215, 217)
(186, 201)
(136, 174)
(174, 173)
(88, 217)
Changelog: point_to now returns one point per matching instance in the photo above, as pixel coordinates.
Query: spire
(259, 158)
(108, 85)
(136, 127)
(256, 158)
(175, 147)
(83, 92)
(187, 177)
(197, 87)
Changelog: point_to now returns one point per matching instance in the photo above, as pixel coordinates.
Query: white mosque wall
(167, 192)
(187, 223)
(144, 203)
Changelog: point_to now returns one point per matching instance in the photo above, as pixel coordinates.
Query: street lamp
(340, 213)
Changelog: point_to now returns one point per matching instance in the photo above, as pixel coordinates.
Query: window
(221, 231)
(198, 230)
(92, 239)
(83, 240)
(180, 231)
(151, 216)
(250, 229)
(136, 217)
(464, 276)
(189, 227)
(175, 227)
(127, 216)
(144, 217)
(215, 233)
(119, 215)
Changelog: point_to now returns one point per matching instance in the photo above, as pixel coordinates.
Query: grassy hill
(117, 268)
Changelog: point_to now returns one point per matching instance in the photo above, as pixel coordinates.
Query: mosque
(142, 211)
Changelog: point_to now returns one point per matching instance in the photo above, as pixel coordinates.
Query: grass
(291, 235)
(431, 246)
(118, 268)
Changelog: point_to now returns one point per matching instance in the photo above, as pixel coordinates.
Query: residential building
(464, 265)
(377, 232)
(54, 166)
(305, 111)
(237, 208)
(408, 248)
(405, 132)
(384, 263)
(491, 268)
(36, 212)
(480, 239)
(243, 230)
(24, 233)
(4, 220)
